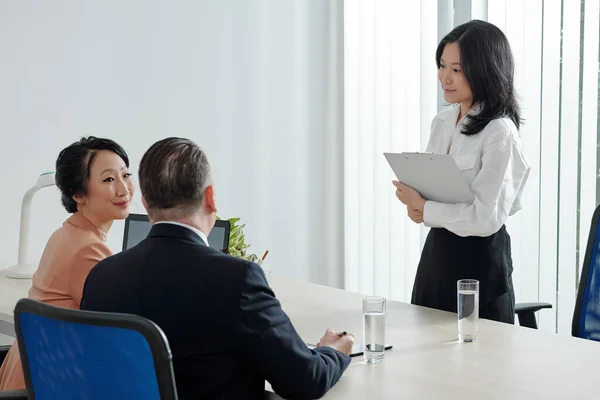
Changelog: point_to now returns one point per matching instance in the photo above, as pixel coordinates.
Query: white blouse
(491, 162)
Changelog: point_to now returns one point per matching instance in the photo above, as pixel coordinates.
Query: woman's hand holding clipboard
(434, 177)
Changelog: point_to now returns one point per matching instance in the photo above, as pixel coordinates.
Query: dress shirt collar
(195, 230)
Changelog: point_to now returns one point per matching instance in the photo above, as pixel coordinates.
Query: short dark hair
(173, 175)
(73, 167)
(488, 65)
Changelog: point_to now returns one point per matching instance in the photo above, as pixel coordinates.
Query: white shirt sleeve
(497, 186)
(430, 149)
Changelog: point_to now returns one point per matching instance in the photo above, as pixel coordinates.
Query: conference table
(427, 360)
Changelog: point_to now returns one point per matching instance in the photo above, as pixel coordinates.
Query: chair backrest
(586, 318)
(68, 354)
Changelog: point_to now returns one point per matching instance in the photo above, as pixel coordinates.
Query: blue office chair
(68, 354)
(586, 317)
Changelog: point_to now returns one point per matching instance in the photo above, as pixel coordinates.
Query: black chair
(586, 316)
(10, 394)
(13, 395)
(526, 313)
(83, 354)
(3, 352)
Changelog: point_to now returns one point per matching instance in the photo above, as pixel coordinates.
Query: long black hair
(73, 167)
(488, 65)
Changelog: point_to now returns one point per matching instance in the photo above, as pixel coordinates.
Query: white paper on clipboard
(435, 176)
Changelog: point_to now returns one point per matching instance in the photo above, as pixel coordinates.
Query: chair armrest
(526, 313)
(3, 351)
(13, 395)
(525, 307)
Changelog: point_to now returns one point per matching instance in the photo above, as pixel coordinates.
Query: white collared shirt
(196, 231)
(493, 165)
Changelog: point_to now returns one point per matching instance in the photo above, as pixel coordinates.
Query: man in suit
(227, 331)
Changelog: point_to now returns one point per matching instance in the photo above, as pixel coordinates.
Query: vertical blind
(390, 95)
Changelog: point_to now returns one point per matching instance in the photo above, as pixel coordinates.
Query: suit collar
(175, 231)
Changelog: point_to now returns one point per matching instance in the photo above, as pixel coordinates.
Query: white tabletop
(427, 361)
(11, 290)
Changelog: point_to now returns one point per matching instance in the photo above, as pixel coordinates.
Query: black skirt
(447, 258)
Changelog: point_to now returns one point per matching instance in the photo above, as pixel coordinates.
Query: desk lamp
(23, 270)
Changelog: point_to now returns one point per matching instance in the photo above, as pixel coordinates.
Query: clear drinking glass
(468, 309)
(373, 329)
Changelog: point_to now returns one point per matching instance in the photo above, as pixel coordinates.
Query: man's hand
(341, 341)
(415, 215)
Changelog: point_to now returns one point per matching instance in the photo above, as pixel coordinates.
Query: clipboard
(435, 176)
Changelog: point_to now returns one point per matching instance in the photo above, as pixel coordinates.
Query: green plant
(237, 241)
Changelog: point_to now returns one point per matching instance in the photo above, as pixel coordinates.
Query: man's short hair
(173, 175)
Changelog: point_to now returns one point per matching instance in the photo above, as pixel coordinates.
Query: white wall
(257, 84)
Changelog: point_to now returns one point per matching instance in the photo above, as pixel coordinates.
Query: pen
(263, 258)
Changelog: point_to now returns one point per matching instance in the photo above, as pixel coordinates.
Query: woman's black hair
(488, 65)
(73, 167)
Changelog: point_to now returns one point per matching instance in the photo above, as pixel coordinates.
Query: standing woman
(481, 132)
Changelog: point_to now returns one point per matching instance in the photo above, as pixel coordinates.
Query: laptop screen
(137, 227)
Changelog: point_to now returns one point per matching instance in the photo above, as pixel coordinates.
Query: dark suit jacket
(227, 331)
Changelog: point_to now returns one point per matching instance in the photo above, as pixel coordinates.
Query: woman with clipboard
(481, 132)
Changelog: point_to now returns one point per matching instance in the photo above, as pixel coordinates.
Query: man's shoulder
(193, 258)
(237, 274)
(103, 268)
(231, 267)
(113, 260)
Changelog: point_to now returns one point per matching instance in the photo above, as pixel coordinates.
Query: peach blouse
(71, 252)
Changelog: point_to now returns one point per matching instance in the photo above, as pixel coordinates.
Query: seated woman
(96, 186)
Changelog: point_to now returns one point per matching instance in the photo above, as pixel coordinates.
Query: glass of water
(373, 329)
(468, 309)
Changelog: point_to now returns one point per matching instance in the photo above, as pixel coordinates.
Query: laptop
(137, 227)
